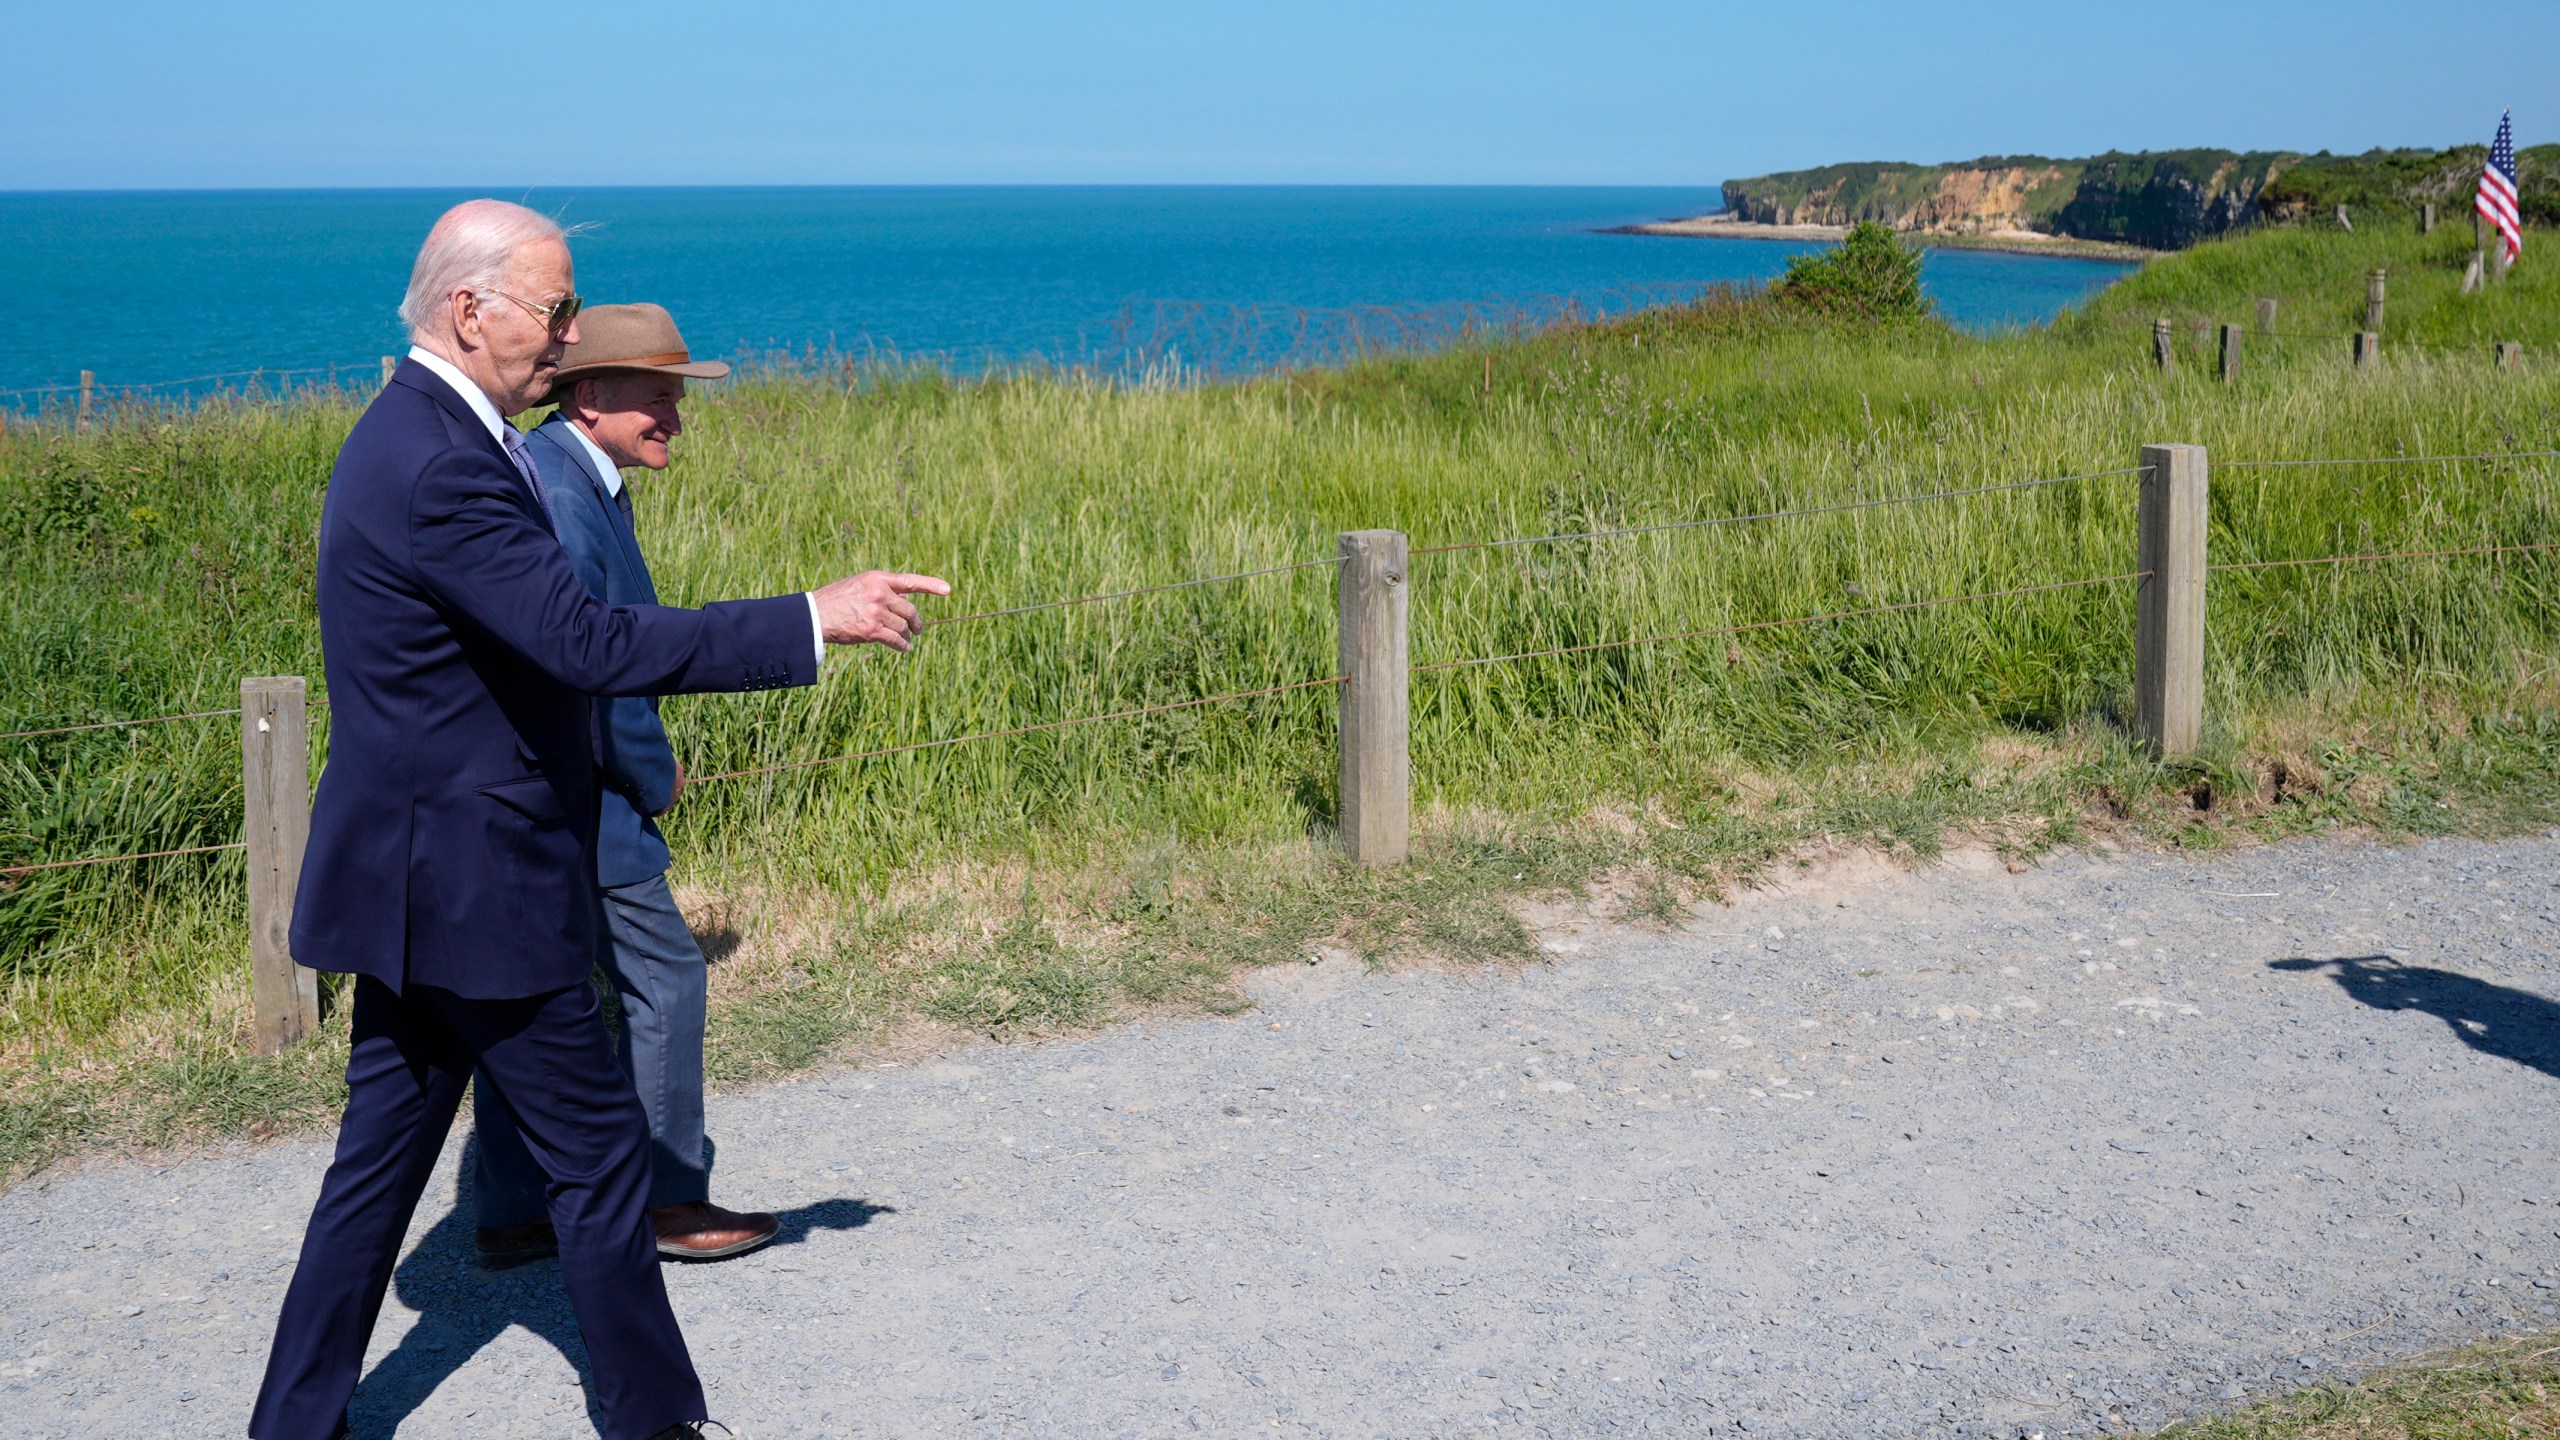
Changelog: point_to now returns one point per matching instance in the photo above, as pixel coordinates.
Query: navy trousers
(549, 1061)
(658, 970)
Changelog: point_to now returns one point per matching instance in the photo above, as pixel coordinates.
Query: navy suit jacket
(453, 837)
(631, 745)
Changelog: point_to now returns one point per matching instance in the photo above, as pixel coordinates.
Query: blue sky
(123, 95)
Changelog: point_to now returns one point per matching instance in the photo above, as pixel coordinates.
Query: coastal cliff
(2156, 200)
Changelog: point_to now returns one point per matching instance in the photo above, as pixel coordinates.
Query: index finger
(917, 584)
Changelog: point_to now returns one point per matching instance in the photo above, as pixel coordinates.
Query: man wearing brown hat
(617, 390)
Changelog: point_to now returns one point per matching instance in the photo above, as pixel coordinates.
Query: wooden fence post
(2168, 637)
(2368, 348)
(275, 782)
(2510, 355)
(2427, 218)
(1376, 815)
(2267, 316)
(388, 365)
(2373, 300)
(2227, 365)
(2164, 346)
(88, 389)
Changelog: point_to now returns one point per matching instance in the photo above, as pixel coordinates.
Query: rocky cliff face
(2166, 202)
(1951, 200)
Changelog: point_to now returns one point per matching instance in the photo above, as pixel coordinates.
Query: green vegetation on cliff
(1062, 877)
(2396, 182)
(2164, 200)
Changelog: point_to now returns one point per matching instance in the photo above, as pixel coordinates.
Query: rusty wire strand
(1775, 624)
(12, 871)
(1774, 514)
(2391, 460)
(1125, 594)
(1019, 730)
(117, 724)
(316, 702)
(2386, 555)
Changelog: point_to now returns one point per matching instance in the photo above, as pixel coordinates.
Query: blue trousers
(546, 1060)
(654, 965)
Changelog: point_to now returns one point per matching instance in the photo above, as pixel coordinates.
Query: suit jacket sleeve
(484, 555)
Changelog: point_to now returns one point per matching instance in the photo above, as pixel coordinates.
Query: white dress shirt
(472, 395)
(605, 467)
(481, 405)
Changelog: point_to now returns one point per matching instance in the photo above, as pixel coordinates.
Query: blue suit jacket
(453, 837)
(631, 745)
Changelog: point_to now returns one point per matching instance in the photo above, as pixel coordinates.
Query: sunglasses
(554, 316)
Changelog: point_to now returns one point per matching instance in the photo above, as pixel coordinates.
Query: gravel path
(1968, 1153)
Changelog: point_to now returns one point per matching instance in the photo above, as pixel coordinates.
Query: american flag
(2497, 199)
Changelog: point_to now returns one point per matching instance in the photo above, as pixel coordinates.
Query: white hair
(470, 248)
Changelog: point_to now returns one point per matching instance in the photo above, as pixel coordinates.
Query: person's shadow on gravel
(463, 1308)
(2514, 1025)
(800, 1223)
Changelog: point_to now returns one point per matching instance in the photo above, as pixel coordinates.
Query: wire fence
(108, 390)
(2199, 336)
(14, 872)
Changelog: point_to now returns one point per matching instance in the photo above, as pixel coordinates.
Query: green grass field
(1065, 877)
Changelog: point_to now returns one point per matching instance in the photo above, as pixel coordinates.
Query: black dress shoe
(689, 1430)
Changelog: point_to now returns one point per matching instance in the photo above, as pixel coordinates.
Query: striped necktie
(524, 459)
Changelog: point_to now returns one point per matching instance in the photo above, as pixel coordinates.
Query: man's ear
(466, 317)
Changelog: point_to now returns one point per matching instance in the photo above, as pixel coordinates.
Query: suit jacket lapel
(428, 383)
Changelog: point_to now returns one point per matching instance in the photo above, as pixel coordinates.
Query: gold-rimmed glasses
(554, 316)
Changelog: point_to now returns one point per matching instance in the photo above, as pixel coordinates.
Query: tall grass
(153, 562)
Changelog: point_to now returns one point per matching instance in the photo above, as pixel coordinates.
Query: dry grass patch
(2504, 1390)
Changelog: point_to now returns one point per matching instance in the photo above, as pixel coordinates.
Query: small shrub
(1870, 274)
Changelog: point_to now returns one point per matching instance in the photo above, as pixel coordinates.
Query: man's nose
(570, 335)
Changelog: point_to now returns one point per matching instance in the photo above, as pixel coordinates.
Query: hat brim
(689, 369)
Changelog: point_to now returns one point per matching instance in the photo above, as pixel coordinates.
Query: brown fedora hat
(629, 337)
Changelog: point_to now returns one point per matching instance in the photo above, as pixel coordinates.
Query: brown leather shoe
(503, 1247)
(701, 1230)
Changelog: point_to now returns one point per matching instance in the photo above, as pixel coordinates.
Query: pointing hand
(873, 608)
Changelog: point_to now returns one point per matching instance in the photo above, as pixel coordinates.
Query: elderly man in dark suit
(451, 867)
(618, 390)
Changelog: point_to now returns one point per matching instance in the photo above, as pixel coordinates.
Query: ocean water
(163, 288)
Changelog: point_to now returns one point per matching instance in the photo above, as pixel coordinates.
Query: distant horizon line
(502, 190)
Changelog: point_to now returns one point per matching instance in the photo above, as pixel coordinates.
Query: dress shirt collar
(471, 394)
(605, 467)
